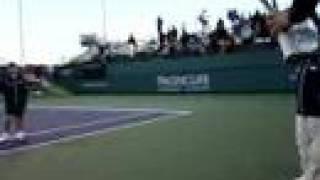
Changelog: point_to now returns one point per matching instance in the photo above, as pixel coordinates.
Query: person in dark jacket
(220, 40)
(308, 92)
(15, 86)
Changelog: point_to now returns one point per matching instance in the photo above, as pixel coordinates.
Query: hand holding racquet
(277, 21)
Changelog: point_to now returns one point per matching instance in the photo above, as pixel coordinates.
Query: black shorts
(308, 91)
(15, 107)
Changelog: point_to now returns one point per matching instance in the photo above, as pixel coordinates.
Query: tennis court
(51, 125)
(226, 137)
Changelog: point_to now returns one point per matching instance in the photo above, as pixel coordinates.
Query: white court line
(83, 125)
(99, 108)
(176, 114)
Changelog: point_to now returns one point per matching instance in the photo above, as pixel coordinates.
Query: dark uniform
(308, 100)
(308, 91)
(308, 119)
(15, 93)
(301, 9)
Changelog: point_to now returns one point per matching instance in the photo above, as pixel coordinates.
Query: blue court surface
(50, 125)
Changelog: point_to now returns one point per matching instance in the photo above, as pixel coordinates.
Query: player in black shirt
(308, 91)
(15, 85)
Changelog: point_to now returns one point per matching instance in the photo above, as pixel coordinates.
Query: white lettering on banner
(184, 83)
(95, 85)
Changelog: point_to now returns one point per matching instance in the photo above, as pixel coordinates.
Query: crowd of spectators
(221, 37)
(243, 31)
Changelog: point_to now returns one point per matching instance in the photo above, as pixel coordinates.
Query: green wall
(253, 70)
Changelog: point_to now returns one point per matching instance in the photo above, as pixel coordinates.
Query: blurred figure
(15, 87)
(234, 18)
(132, 45)
(164, 44)
(160, 30)
(184, 39)
(205, 29)
(308, 92)
(159, 24)
(221, 40)
(173, 40)
(246, 32)
(259, 25)
(204, 21)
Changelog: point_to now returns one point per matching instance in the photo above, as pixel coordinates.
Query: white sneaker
(20, 136)
(300, 178)
(4, 137)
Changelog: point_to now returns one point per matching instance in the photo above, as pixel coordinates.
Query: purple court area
(54, 124)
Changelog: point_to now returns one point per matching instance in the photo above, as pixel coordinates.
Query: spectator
(204, 21)
(132, 40)
(221, 40)
(259, 25)
(132, 45)
(159, 24)
(205, 28)
(163, 41)
(234, 17)
(246, 35)
(184, 39)
(160, 31)
(173, 40)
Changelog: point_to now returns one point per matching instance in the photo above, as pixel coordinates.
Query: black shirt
(301, 9)
(308, 92)
(15, 91)
(132, 40)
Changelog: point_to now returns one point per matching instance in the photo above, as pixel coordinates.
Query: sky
(52, 27)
